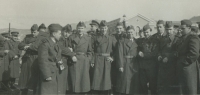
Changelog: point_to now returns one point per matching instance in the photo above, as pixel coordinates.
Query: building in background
(137, 21)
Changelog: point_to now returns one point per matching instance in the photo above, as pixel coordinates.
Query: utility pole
(124, 21)
(9, 29)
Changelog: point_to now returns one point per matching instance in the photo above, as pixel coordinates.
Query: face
(147, 33)
(141, 34)
(42, 30)
(66, 34)
(104, 29)
(160, 28)
(130, 33)
(15, 38)
(170, 30)
(80, 30)
(119, 29)
(93, 28)
(185, 29)
(6, 38)
(57, 35)
(35, 33)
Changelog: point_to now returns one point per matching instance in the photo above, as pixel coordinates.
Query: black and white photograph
(99, 47)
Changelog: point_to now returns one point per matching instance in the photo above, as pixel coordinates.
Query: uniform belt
(128, 56)
(79, 53)
(103, 54)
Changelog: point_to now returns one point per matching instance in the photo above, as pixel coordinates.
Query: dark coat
(14, 65)
(187, 65)
(128, 80)
(79, 71)
(28, 59)
(49, 53)
(148, 63)
(102, 67)
(149, 47)
(66, 55)
(167, 71)
(4, 62)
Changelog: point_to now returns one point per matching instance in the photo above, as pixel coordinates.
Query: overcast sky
(23, 13)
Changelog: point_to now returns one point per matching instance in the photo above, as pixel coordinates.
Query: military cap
(130, 27)
(14, 33)
(168, 24)
(67, 28)
(42, 26)
(176, 26)
(34, 27)
(161, 22)
(198, 23)
(119, 24)
(194, 28)
(81, 24)
(186, 22)
(146, 27)
(94, 22)
(5, 34)
(103, 23)
(54, 27)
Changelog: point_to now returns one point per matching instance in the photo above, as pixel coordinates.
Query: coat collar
(129, 43)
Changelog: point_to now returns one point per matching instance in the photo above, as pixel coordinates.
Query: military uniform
(66, 56)
(128, 80)
(187, 64)
(14, 65)
(29, 61)
(103, 47)
(48, 56)
(148, 65)
(4, 60)
(79, 71)
(167, 71)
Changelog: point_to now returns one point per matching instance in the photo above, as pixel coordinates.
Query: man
(79, 71)
(14, 65)
(148, 49)
(6, 36)
(167, 63)
(128, 67)
(49, 58)
(64, 44)
(177, 30)
(67, 31)
(160, 30)
(4, 63)
(119, 35)
(103, 47)
(28, 59)
(94, 28)
(42, 28)
(187, 64)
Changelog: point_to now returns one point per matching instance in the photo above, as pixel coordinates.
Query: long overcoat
(14, 65)
(103, 48)
(66, 56)
(28, 59)
(167, 71)
(128, 80)
(49, 54)
(187, 65)
(4, 60)
(79, 71)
